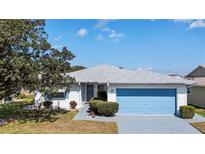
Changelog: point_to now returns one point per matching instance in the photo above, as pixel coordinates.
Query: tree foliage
(27, 59)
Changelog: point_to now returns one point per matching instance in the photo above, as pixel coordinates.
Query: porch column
(80, 99)
(85, 92)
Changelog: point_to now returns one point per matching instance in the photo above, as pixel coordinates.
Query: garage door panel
(146, 92)
(146, 101)
(132, 111)
(149, 100)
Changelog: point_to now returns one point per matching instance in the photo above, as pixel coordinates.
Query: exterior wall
(73, 95)
(197, 96)
(200, 81)
(77, 93)
(181, 92)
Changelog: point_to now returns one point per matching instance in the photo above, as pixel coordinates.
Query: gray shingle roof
(112, 74)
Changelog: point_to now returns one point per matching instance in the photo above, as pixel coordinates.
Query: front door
(90, 92)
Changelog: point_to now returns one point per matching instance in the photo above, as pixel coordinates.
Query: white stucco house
(137, 92)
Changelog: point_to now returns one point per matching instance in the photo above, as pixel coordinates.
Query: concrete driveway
(150, 124)
(144, 124)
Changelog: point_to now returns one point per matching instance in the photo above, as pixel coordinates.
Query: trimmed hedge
(107, 108)
(99, 98)
(104, 108)
(187, 112)
(93, 105)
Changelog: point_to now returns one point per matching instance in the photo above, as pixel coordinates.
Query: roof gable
(197, 72)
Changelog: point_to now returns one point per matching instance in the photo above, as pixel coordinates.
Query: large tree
(27, 59)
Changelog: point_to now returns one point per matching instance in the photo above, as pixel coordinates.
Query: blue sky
(162, 45)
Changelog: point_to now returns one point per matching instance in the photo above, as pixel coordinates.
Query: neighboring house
(196, 94)
(137, 92)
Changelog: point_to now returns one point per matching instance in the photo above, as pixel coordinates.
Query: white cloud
(58, 38)
(112, 34)
(115, 36)
(102, 23)
(100, 37)
(82, 32)
(197, 24)
(191, 23)
(185, 21)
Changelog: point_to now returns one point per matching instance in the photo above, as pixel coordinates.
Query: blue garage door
(146, 101)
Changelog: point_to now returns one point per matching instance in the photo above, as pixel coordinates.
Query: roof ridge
(114, 74)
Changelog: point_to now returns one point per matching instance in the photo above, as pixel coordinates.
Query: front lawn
(63, 124)
(199, 110)
(200, 126)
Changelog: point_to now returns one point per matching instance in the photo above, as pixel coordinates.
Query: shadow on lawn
(16, 111)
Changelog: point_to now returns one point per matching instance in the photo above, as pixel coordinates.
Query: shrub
(187, 112)
(73, 104)
(102, 94)
(16, 111)
(107, 108)
(48, 104)
(99, 98)
(93, 105)
(21, 96)
(101, 107)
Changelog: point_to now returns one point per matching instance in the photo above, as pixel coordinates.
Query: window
(59, 95)
(189, 90)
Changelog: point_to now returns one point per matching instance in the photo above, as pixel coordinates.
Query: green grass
(29, 99)
(63, 125)
(201, 113)
(199, 110)
(27, 122)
